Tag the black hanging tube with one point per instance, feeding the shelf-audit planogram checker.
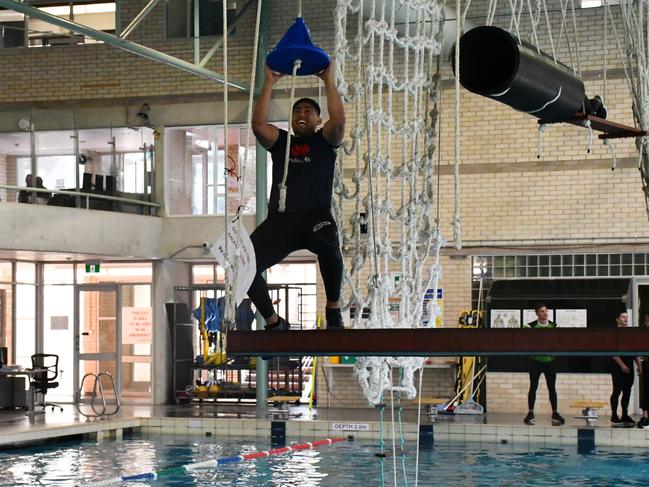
(495, 64)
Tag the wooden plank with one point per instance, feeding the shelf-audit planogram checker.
(283, 398)
(612, 130)
(585, 403)
(442, 342)
(433, 401)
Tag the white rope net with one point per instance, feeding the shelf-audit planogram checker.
(388, 73)
(635, 15)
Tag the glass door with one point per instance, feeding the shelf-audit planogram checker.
(97, 338)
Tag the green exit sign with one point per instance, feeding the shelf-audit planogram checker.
(92, 268)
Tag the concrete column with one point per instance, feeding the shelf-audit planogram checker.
(166, 275)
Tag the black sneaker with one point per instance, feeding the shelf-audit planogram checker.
(615, 421)
(280, 325)
(642, 423)
(557, 419)
(645, 424)
(334, 319)
(529, 419)
(628, 421)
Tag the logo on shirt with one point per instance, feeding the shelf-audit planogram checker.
(318, 226)
(300, 152)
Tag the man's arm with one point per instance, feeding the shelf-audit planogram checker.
(622, 365)
(334, 130)
(265, 132)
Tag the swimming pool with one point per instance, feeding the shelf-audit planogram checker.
(344, 464)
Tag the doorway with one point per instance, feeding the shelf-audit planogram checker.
(97, 336)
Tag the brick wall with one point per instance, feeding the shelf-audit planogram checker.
(338, 386)
(507, 392)
(510, 199)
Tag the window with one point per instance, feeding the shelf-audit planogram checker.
(125, 169)
(57, 171)
(597, 3)
(98, 15)
(193, 154)
(180, 17)
(489, 268)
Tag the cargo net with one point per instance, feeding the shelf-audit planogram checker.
(385, 185)
(634, 54)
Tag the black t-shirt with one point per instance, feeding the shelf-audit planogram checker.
(310, 172)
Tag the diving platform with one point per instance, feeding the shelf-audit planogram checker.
(441, 342)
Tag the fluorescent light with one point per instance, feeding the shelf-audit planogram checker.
(598, 3)
(93, 8)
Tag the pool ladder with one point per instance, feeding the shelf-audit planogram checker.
(97, 393)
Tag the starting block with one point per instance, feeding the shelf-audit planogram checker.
(431, 404)
(282, 405)
(588, 410)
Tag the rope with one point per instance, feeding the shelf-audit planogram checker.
(394, 443)
(402, 439)
(539, 131)
(491, 11)
(382, 446)
(181, 469)
(421, 380)
(251, 95)
(611, 150)
(457, 223)
(231, 270)
(282, 186)
(547, 22)
(535, 38)
(605, 51)
(576, 37)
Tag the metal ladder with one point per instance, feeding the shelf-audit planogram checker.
(102, 413)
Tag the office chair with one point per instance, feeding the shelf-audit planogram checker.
(86, 184)
(47, 379)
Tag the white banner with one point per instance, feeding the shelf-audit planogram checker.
(241, 252)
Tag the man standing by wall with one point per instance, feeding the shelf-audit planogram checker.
(542, 365)
(622, 376)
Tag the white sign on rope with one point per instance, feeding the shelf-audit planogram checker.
(241, 256)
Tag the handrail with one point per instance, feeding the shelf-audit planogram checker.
(79, 193)
(97, 385)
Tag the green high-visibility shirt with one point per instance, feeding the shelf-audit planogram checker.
(535, 324)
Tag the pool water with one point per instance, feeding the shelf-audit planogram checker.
(343, 464)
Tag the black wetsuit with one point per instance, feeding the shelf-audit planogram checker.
(622, 383)
(307, 222)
